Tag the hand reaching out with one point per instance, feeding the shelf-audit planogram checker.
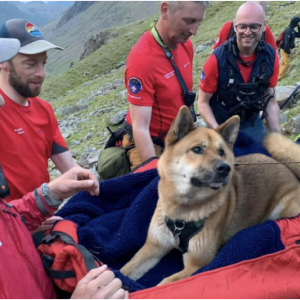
(100, 283)
(75, 180)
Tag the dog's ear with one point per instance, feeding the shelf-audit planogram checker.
(229, 130)
(181, 126)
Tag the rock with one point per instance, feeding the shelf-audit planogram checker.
(118, 118)
(66, 135)
(200, 48)
(71, 109)
(200, 123)
(89, 136)
(74, 143)
(289, 128)
(283, 92)
(208, 43)
(121, 64)
(297, 125)
(123, 94)
(282, 117)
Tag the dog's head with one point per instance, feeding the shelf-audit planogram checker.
(198, 159)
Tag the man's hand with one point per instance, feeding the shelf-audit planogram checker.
(75, 180)
(99, 283)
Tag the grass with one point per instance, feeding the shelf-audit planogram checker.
(105, 60)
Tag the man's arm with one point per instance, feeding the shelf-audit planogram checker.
(205, 109)
(273, 120)
(141, 117)
(37, 207)
(64, 161)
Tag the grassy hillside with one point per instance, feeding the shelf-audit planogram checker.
(68, 87)
(101, 15)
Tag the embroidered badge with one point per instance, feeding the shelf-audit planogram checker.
(202, 77)
(135, 85)
(33, 30)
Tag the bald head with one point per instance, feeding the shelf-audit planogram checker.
(249, 9)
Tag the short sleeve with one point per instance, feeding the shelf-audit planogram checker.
(209, 76)
(139, 80)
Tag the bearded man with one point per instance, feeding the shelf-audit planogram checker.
(29, 129)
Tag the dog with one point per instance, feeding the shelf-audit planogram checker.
(206, 195)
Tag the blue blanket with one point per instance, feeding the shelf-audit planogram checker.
(114, 225)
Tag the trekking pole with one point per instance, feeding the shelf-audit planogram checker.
(290, 97)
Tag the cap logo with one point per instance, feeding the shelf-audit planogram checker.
(33, 30)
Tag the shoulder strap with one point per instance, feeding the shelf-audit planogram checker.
(188, 101)
(231, 32)
(170, 57)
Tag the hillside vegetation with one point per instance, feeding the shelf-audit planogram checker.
(83, 20)
(100, 69)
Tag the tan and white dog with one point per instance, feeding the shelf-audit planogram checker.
(205, 198)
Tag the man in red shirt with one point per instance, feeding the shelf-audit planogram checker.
(23, 275)
(153, 90)
(227, 31)
(29, 129)
(240, 77)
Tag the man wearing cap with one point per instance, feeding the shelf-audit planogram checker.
(29, 129)
(25, 277)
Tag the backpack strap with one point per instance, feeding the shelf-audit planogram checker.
(54, 235)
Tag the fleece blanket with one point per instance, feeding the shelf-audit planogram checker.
(114, 225)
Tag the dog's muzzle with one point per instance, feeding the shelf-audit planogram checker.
(216, 180)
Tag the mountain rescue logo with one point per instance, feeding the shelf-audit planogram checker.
(33, 30)
(135, 85)
(202, 77)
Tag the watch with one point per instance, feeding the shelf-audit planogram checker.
(46, 194)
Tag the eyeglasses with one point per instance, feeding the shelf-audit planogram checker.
(241, 28)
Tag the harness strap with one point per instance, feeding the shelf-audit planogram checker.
(184, 231)
(177, 72)
(88, 257)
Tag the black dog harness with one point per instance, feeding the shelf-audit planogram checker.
(183, 231)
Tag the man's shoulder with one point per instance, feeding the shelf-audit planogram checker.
(144, 45)
(36, 101)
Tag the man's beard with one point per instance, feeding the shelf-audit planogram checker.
(21, 88)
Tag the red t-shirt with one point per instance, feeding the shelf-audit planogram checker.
(209, 82)
(151, 80)
(29, 135)
(225, 30)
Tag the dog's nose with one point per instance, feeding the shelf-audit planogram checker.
(222, 168)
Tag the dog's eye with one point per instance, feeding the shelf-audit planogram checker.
(197, 150)
(221, 153)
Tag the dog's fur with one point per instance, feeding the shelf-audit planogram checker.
(199, 181)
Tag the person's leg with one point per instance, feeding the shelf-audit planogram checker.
(257, 131)
(285, 64)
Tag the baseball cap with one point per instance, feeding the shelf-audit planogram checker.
(8, 49)
(31, 38)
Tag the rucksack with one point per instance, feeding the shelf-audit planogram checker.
(279, 40)
(113, 160)
(64, 259)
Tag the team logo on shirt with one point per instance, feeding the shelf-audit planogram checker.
(217, 40)
(135, 85)
(202, 77)
(33, 30)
